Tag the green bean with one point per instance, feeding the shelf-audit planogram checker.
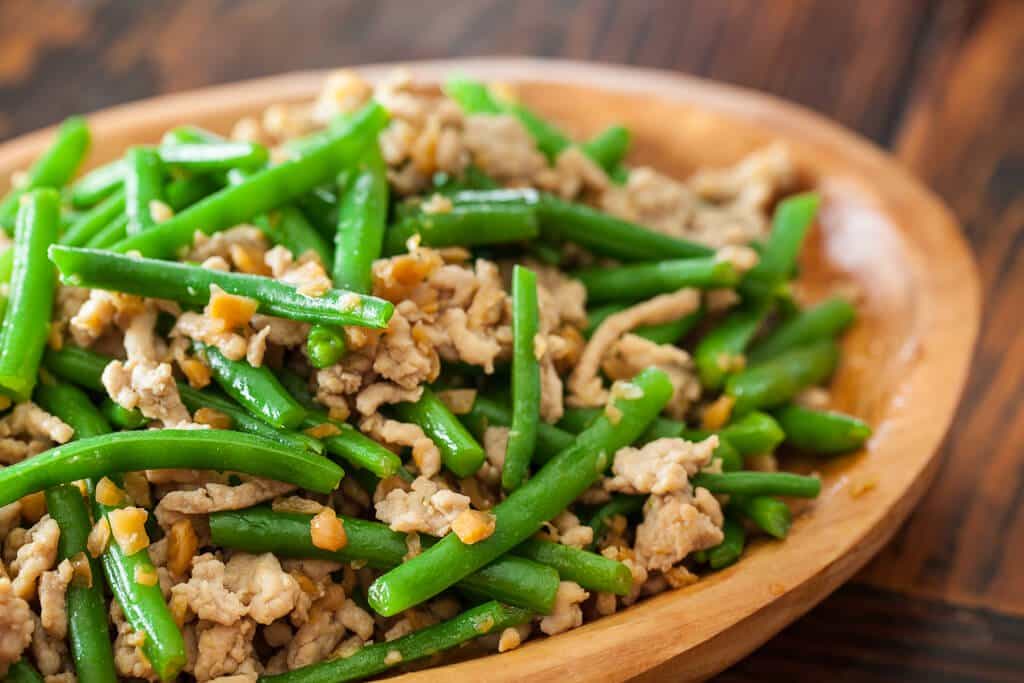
(190, 285)
(575, 420)
(321, 207)
(770, 515)
(211, 449)
(489, 412)
(664, 333)
(776, 381)
(73, 406)
(473, 96)
(182, 193)
(620, 504)
(262, 191)
(604, 234)
(325, 346)
(460, 452)
(759, 484)
(524, 197)
(22, 671)
(97, 185)
(190, 135)
(142, 603)
(790, 224)
(77, 365)
(256, 389)
(465, 225)
(490, 617)
(111, 234)
(92, 222)
(522, 437)
(55, 167)
(362, 217)
(726, 451)
(121, 417)
(472, 178)
(592, 571)
(143, 183)
(751, 434)
(26, 324)
(824, 321)
(822, 432)
(731, 547)
(642, 281)
(720, 352)
(259, 529)
(608, 147)
(521, 514)
(204, 157)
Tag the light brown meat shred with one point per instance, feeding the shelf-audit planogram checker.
(213, 497)
(252, 586)
(225, 244)
(50, 653)
(630, 354)
(659, 467)
(503, 148)
(29, 420)
(317, 638)
(129, 661)
(37, 555)
(394, 433)
(53, 586)
(675, 525)
(427, 508)
(566, 613)
(148, 386)
(16, 625)
(224, 650)
(585, 384)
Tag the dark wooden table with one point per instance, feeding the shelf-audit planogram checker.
(940, 83)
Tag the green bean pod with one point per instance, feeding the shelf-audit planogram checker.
(460, 452)
(751, 434)
(770, 515)
(731, 547)
(608, 147)
(122, 417)
(22, 671)
(790, 225)
(522, 437)
(642, 281)
(490, 617)
(168, 449)
(521, 514)
(721, 351)
(590, 570)
(190, 285)
(112, 233)
(362, 217)
(824, 321)
(465, 225)
(487, 412)
(759, 484)
(143, 183)
(204, 157)
(55, 167)
(325, 346)
(778, 380)
(353, 447)
(97, 185)
(256, 389)
(473, 96)
(91, 223)
(257, 530)
(182, 193)
(822, 432)
(263, 191)
(26, 324)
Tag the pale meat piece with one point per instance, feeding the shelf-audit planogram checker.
(403, 360)
(317, 638)
(53, 586)
(225, 650)
(227, 244)
(394, 433)
(29, 420)
(37, 555)
(567, 529)
(659, 467)
(128, 658)
(50, 654)
(631, 354)
(202, 328)
(148, 386)
(281, 331)
(503, 148)
(377, 394)
(213, 497)
(252, 586)
(566, 613)
(675, 525)
(427, 508)
(16, 625)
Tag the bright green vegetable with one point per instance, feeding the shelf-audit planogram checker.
(593, 572)
(776, 381)
(731, 547)
(790, 225)
(26, 323)
(488, 411)
(770, 515)
(122, 417)
(490, 617)
(112, 233)
(143, 183)
(759, 484)
(91, 223)
(547, 493)
(204, 157)
(55, 167)
(190, 285)
(642, 281)
(522, 437)
(167, 449)
(182, 193)
(362, 217)
(325, 346)
(465, 225)
(460, 452)
(263, 191)
(750, 434)
(720, 352)
(472, 95)
(822, 432)
(22, 671)
(97, 184)
(608, 147)
(256, 389)
(257, 530)
(824, 321)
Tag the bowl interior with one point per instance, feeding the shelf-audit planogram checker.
(903, 366)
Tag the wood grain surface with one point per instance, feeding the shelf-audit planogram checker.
(939, 82)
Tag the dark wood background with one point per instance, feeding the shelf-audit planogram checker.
(940, 83)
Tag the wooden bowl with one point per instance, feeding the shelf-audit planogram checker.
(903, 369)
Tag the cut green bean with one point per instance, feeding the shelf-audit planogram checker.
(258, 530)
(460, 452)
(325, 346)
(790, 225)
(204, 157)
(522, 437)
(73, 406)
(256, 389)
(642, 281)
(122, 417)
(190, 135)
(620, 504)
(759, 484)
(263, 191)
(822, 432)
(541, 498)
(190, 285)
(731, 547)
(590, 570)
(362, 217)
(53, 169)
(465, 225)
(22, 671)
(211, 449)
(488, 411)
(751, 434)
(473, 96)
(490, 617)
(89, 225)
(97, 185)
(770, 515)
(143, 184)
(778, 380)
(824, 321)
(26, 323)
(721, 351)
(143, 603)
(111, 234)
(182, 193)
(608, 147)
(353, 447)
(604, 234)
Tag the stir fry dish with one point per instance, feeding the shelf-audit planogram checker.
(390, 377)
